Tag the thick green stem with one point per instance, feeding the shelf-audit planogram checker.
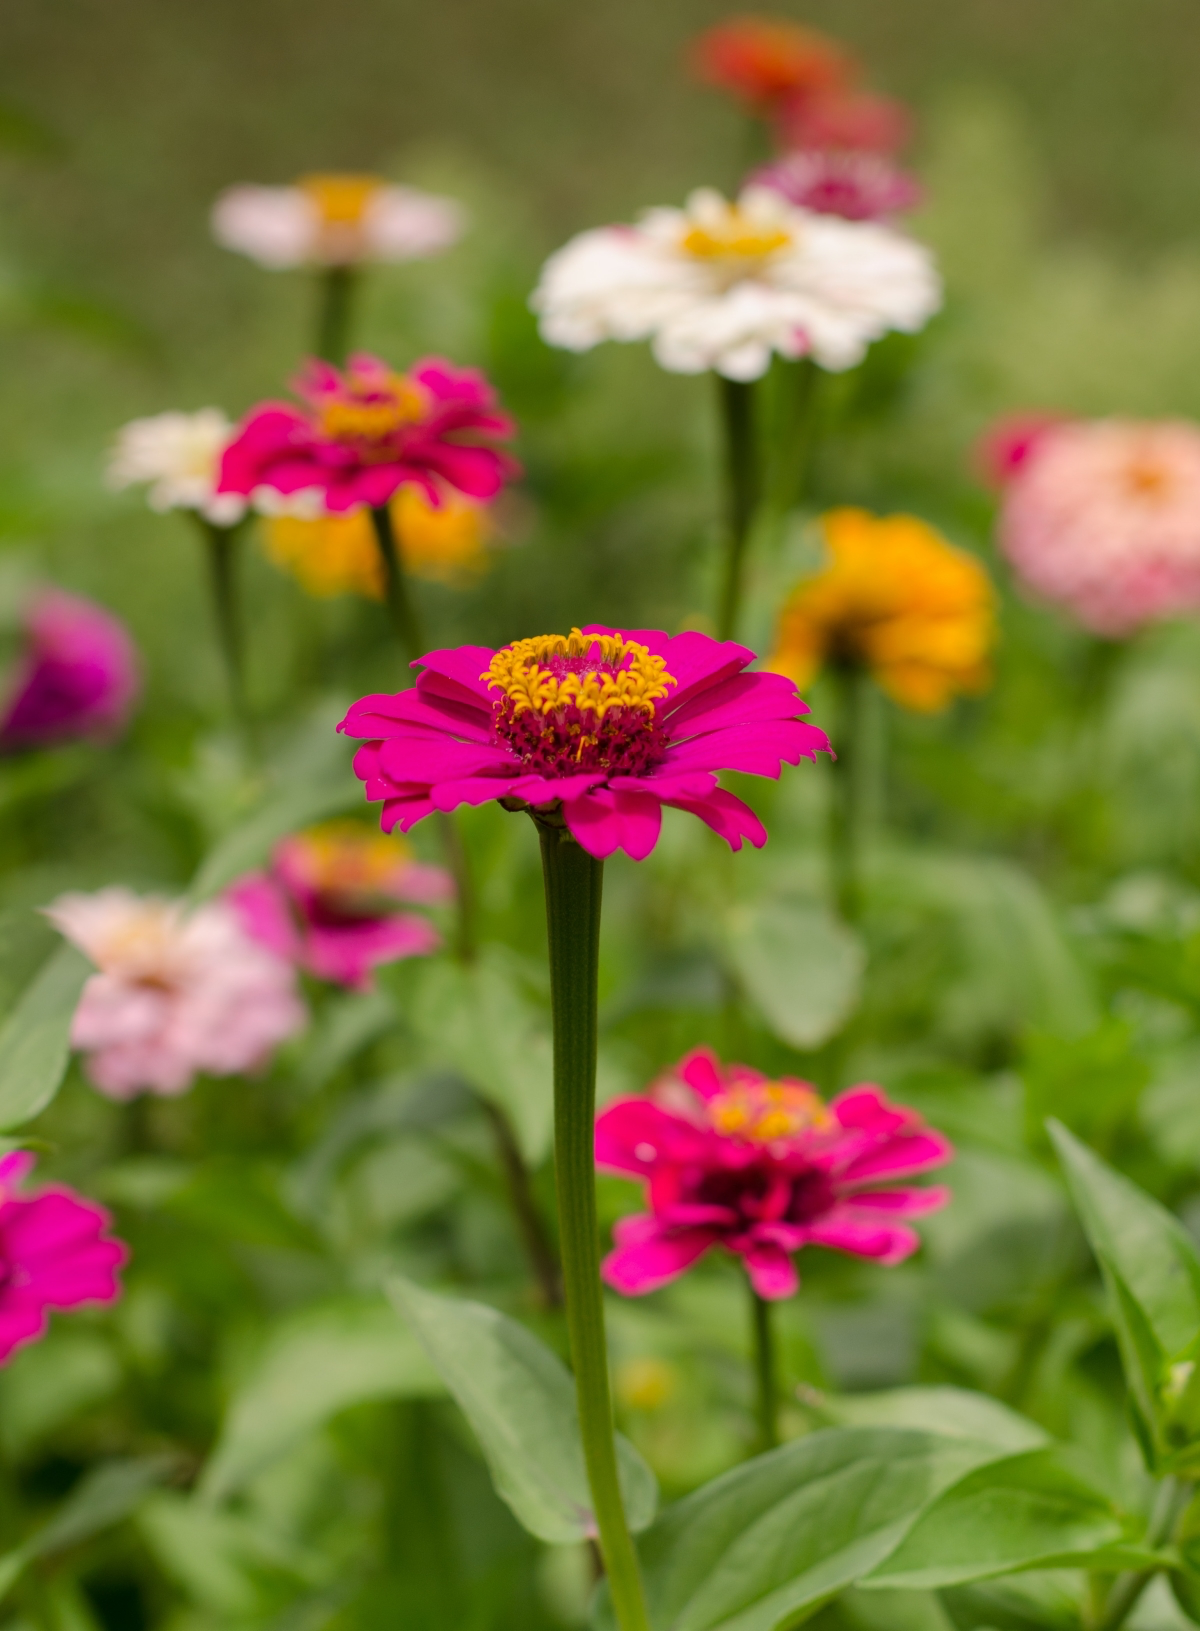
(538, 1247)
(1173, 1495)
(221, 544)
(742, 482)
(406, 621)
(849, 791)
(764, 1370)
(796, 393)
(574, 883)
(338, 286)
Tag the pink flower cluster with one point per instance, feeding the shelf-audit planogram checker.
(55, 1252)
(1102, 517)
(366, 431)
(76, 678)
(730, 1158)
(328, 902)
(177, 993)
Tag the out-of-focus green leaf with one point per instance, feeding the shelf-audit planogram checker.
(798, 966)
(48, 1384)
(241, 1200)
(520, 1400)
(756, 1549)
(1091, 1083)
(478, 1022)
(249, 845)
(315, 1364)
(348, 1024)
(234, 1567)
(1028, 1512)
(35, 1043)
(953, 1411)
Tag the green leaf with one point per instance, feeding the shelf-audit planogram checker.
(35, 1041)
(248, 847)
(763, 1545)
(316, 1364)
(952, 1411)
(798, 966)
(520, 1400)
(478, 1022)
(238, 1568)
(1027, 1512)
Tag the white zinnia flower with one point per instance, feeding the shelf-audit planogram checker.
(722, 286)
(334, 220)
(178, 456)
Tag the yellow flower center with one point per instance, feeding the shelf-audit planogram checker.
(341, 200)
(373, 413)
(765, 1112)
(735, 236)
(595, 672)
(343, 858)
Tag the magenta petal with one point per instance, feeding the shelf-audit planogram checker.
(729, 817)
(448, 795)
(772, 1272)
(738, 700)
(701, 1070)
(22, 1321)
(903, 1203)
(460, 668)
(760, 749)
(886, 1242)
(657, 1258)
(346, 954)
(263, 910)
(902, 1157)
(405, 812)
(633, 1135)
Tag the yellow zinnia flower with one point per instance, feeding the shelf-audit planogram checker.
(896, 598)
(338, 555)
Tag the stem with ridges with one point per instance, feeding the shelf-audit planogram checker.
(764, 1371)
(574, 883)
(848, 791)
(338, 285)
(221, 545)
(797, 386)
(741, 477)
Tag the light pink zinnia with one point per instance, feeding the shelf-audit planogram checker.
(857, 186)
(609, 724)
(177, 993)
(328, 903)
(761, 1167)
(1103, 518)
(366, 431)
(77, 677)
(55, 1253)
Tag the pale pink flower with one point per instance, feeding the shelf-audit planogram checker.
(55, 1252)
(1102, 518)
(177, 993)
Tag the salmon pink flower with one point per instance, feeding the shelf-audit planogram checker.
(765, 60)
(1103, 519)
(606, 724)
(334, 220)
(328, 902)
(177, 993)
(365, 432)
(77, 677)
(55, 1252)
(837, 181)
(730, 1158)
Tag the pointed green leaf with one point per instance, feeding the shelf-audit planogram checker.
(952, 1411)
(798, 965)
(35, 1041)
(520, 1400)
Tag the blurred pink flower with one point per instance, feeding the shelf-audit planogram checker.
(366, 431)
(55, 1251)
(607, 725)
(1008, 442)
(328, 902)
(1103, 518)
(843, 118)
(77, 677)
(731, 1158)
(177, 992)
(838, 181)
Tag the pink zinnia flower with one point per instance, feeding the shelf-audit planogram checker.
(731, 1158)
(177, 992)
(1103, 518)
(366, 431)
(77, 678)
(328, 902)
(54, 1253)
(611, 725)
(837, 181)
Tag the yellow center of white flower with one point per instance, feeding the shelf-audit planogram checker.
(341, 200)
(734, 236)
(764, 1112)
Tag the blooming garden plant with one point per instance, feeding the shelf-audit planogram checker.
(684, 1122)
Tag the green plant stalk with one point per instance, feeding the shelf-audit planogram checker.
(537, 1243)
(1172, 1496)
(741, 494)
(764, 1371)
(848, 790)
(794, 426)
(221, 546)
(574, 883)
(339, 284)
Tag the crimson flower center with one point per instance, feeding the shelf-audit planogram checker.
(571, 704)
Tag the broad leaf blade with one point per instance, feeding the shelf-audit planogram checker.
(951, 1411)
(798, 965)
(1027, 1512)
(315, 1365)
(35, 1041)
(520, 1400)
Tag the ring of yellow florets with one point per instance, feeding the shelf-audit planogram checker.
(368, 416)
(768, 1112)
(580, 702)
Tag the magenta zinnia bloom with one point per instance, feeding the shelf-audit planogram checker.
(857, 186)
(609, 724)
(55, 1252)
(328, 903)
(77, 678)
(731, 1158)
(366, 431)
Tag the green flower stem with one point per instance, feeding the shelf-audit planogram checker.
(742, 485)
(574, 883)
(764, 1369)
(339, 285)
(849, 790)
(406, 620)
(795, 413)
(1172, 1496)
(538, 1246)
(221, 544)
